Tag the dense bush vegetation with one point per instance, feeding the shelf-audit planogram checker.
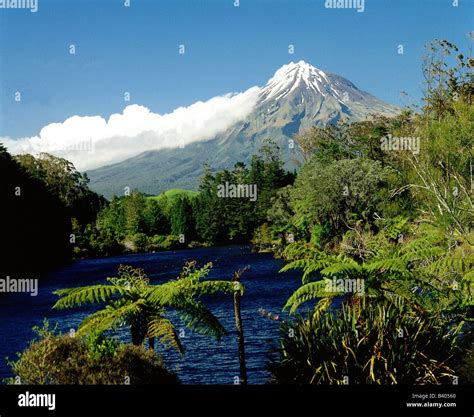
(77, 222)
(61, 359)
(396, 224)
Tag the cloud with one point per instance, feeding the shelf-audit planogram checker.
(91, 141)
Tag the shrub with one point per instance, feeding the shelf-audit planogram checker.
(340, 194)
(93, 241)
(170, 242)
(195, 244)
(263, 240)
(68, 360)
(158, 239)
(319, 233)
(137, 242)
(370, 343)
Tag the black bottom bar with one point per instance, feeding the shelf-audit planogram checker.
(209, 401)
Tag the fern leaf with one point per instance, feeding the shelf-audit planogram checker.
(200, 319)
(308, 292)
(164, 330)
(212, 287)
(109, 317)
(74, 297)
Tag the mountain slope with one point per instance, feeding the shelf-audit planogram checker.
(297, 97)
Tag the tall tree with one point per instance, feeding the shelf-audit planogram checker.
(182, 218)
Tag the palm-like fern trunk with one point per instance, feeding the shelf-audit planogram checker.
(151, 343)
(240, 331)
(136, 337)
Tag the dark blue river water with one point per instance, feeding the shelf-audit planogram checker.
(205, 361)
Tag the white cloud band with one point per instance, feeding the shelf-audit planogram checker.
(91, 141)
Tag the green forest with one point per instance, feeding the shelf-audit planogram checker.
(397, 221)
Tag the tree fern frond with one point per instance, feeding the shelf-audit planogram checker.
(395, 227)
(212, 287)
(109, 317)
(469, 277)
(419, 244)
(308, 292)
(166, 294)
(459, 264)
(191, 273)
(74, 297)
(164, 330)
(393, 265)
(297, 264)
(309, 266)
(346, 266)
(424, 253)
(200, 319)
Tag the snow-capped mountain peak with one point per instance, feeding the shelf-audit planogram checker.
(297, 97)
(293, 76)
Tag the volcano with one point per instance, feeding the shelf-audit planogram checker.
(297, 97)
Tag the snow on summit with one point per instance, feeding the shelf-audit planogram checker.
(293, 76)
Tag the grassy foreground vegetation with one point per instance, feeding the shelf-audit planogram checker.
(366, 343)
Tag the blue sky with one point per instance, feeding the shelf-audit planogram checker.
(228, 49)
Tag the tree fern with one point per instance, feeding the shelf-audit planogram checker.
(420, 271)
(132, 301)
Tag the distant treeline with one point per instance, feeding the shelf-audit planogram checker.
(181, 218)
